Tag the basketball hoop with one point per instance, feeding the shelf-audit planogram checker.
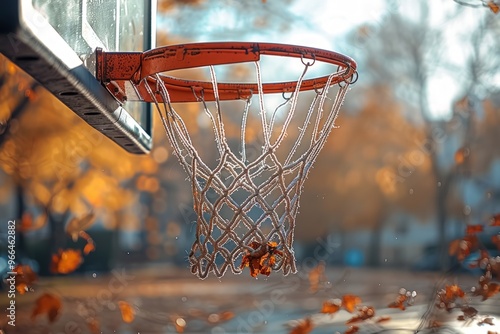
(246, 204)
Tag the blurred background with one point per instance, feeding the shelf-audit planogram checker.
(414, 161)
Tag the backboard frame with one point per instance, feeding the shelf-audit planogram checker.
(28, 40)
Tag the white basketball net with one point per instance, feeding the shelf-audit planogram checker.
(244, 200)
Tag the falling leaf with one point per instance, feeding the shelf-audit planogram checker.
(496, 240)
(331, 306)
(127, 311)
(66, 261)
(495, 220)
(461, 248)
(461, 155)
(89, 247)
(494, 7)
(473, 229)
(30, 224)
(262, 259)
(94, 326)
(316, 276)
(303, 327)
(25, 277)
(49, 304)
(349, 302)
(79, 224)
(486, 321)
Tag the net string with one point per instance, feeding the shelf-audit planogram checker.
(243, 175)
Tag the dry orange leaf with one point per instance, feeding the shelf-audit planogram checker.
(49, 304)
(316, 276)
(94, 326)
(473, 229)
(217, 318)
(495, 220)
(79, 224)
(128, 313)
(461, 155)
(349, 302)
(89, 247)
(461, 248)
(494, 7)
(303, 327)
(487, 290)
(66, 261)
(496, 240)
(364, 313)
(331, 306)
(262, 259)
(25, 276)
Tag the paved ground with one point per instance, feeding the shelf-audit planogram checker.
(168, 300)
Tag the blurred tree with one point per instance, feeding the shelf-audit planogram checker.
(60, 166)
(410, 51)
(357, 174)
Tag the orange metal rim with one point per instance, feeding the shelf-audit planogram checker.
(119, 70)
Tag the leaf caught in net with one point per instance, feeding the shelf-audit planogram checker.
(49, 304)
(262, 259)
(364, 313)
(66, 261)
(127, 311)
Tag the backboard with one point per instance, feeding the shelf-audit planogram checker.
(55, 41)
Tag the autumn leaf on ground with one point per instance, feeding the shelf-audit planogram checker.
(262, 259)
(494, 7)
(404, 298)
(364, 313)
(49, 304)
(25, 277)
(331, 306)
(303, 327)
(495, 220)
(128, 313)
(79, 224)
(468, 313)
(473, 229)
(486, 321)
(446, 297)
(381, 319)
(317, 276)
(349, 302)
(66, 261)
